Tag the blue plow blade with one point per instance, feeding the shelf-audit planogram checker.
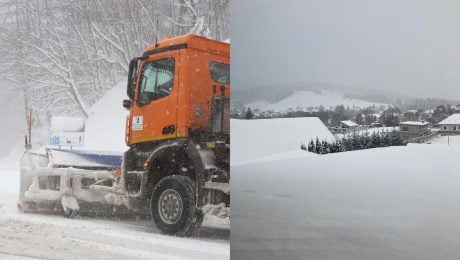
(86, 159)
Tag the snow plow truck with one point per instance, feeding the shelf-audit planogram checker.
(177, 167)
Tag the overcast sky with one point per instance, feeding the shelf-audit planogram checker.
(412, 47)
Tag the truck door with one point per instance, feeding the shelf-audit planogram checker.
(154, 112)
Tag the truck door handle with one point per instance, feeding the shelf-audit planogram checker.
(168, 129)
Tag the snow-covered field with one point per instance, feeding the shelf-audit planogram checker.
(446, 140)
(37, 236)
(383, 203)
(303, 100)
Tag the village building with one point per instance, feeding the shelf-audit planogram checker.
(450, 124)
(414, 129)
(345, 126)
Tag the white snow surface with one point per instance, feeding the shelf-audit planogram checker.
(383, 203)
(446, 140)
(105, 127)
(67, 124)
(451, 120)
(303, 100)
(267, 137)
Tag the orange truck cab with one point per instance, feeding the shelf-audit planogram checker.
(178, 132)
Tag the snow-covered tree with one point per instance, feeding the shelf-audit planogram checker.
(62, 56)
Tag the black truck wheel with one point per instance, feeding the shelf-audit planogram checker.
(173, 206)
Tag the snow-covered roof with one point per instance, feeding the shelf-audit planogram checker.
(258, 138)
(349, 123)
(414, 123)
(451, 120)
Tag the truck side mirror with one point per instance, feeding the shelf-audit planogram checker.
(132, 76)
(127, 103)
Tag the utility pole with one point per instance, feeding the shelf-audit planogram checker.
(27, 137)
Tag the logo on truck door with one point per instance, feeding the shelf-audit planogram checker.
(137, 122)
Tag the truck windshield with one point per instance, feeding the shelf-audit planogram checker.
(220, 72)
(156, 80)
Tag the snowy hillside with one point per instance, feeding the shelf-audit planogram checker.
(383, 203)
(255, 139)
(306, 100)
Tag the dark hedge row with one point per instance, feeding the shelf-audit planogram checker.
(356, 141)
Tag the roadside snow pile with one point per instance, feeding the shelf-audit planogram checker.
(105, 127)
(384, 203)
(265, 139)
(9, 168)
(67, 124)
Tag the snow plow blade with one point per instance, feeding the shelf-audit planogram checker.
(69, 182)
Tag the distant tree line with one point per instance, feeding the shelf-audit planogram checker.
(356, 141)
(391, 116)
(329, 117)
(425, 103)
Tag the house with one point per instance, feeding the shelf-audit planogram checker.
(450, 124)
(414, 129)
(344, 127)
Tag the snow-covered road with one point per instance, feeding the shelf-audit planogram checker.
(36, 236)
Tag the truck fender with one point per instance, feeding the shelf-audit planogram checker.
(198, 157)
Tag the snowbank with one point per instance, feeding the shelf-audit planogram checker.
(255, 139)
(105, 127)
(67, 124)
(9, 170)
